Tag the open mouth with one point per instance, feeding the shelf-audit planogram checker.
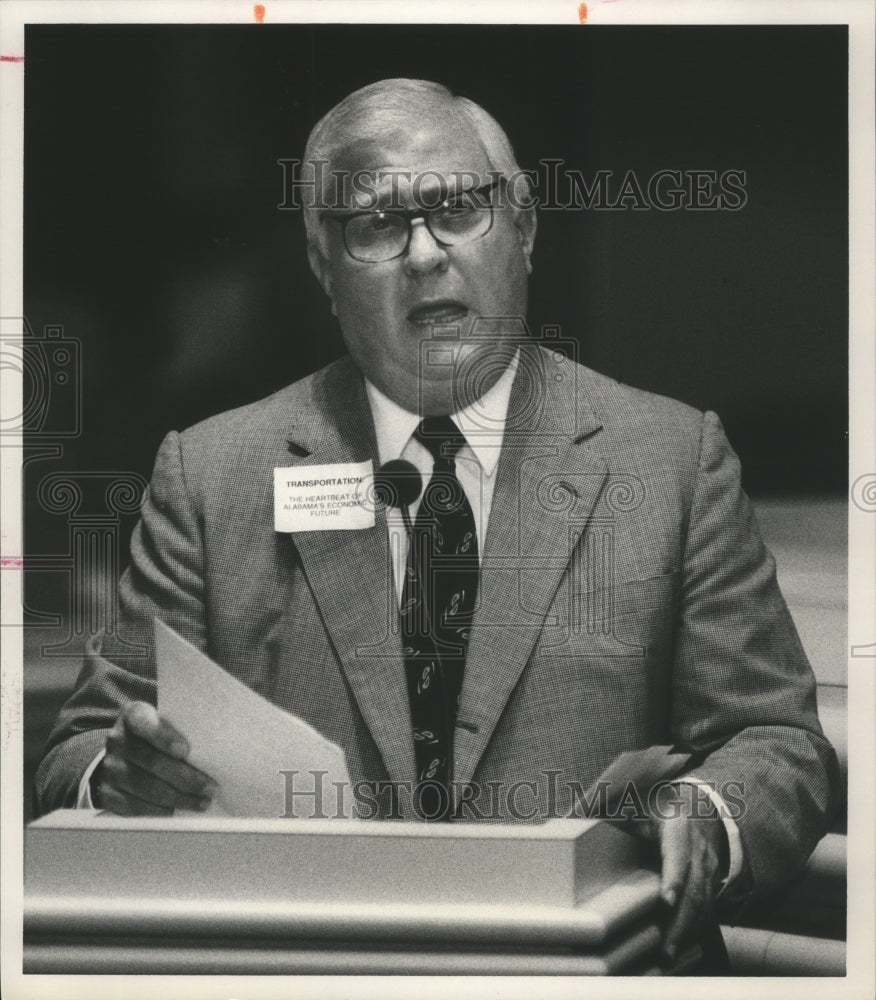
(438, 313)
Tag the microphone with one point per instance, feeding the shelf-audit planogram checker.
(398, 483)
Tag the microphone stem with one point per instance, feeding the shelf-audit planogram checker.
(406, 518)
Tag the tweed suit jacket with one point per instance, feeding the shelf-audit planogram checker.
(626, 601)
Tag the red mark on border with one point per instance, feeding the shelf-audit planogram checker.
(11, 58)
(582, 13)
(11, 562)
(258, 12)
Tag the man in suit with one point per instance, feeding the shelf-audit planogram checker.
(622, 615)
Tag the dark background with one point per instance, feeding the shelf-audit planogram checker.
(152, 232)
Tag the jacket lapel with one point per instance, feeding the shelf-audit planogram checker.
(548, 481)
(349, 571)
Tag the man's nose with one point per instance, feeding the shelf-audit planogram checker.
(424, 253)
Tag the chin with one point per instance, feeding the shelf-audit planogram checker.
(437, 403)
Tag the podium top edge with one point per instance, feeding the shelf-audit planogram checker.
(88, 819)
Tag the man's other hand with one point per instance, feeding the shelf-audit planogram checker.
(144, 772)
(694, 856)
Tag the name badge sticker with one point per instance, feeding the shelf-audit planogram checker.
(323, 497)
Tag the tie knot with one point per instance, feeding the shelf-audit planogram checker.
(441, 437)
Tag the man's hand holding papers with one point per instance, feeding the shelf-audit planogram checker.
(144, 771)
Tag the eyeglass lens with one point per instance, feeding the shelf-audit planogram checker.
(378, 236)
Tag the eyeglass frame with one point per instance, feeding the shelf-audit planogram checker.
(410, 215)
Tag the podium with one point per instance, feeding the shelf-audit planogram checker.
(204, 895)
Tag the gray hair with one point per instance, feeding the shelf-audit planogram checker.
(380, 108)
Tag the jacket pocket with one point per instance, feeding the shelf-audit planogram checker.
(629, 619)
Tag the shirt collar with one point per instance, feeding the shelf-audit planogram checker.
(483, 422)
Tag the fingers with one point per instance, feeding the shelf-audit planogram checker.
(145, 772)
(123, 804)
(689, 851)
(675, 857)
(132, 781)
(177, 773)
(142, 720)
(690, 841)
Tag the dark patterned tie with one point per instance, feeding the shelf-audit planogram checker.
(438, 601)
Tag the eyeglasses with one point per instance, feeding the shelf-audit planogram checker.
(376, 236)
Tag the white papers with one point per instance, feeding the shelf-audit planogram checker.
(243, 741)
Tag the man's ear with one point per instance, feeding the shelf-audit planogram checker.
(526, 224)
(320, 266)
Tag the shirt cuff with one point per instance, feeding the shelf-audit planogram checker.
(83, 800)
(734, 840)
